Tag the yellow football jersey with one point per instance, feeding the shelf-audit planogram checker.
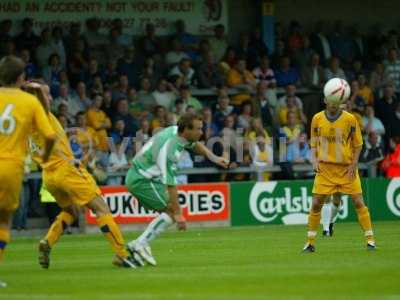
(335, 140)
(20, 114)
(62, 150)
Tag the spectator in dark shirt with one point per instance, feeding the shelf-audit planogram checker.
(372, 150)
(286, 75)
(122, 113)
(121, 90)
(384, 109)
(27, 39)
(31, 70)
(129, 67)
(208, 73)
(223, 110)
(150, 45)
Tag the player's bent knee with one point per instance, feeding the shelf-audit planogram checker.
(99, 206)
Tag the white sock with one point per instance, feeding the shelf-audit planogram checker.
(334, 213)
(326, 216)
(155, 228)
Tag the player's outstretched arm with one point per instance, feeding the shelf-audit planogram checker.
(203, 150)
(174, 209)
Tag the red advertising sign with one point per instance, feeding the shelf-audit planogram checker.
(199, 202)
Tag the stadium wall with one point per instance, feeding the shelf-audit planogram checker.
(250, 203)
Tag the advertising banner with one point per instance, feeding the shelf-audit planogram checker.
(200, 16)
(199, 202)
(288, 202)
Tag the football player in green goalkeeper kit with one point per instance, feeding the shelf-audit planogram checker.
(152, 179)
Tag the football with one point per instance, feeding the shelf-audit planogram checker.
(336, 91)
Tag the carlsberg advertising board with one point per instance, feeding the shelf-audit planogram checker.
(288, 202)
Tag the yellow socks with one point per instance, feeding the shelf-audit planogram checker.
(4, 240)
(63, 220)
(113, 234)
(314, 219)
(365, 221)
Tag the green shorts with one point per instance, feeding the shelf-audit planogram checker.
(151, 194)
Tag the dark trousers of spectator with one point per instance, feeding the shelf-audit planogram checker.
(21, 214)
(35, 207)
(52, 210)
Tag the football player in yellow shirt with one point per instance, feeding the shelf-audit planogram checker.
(19, 113)
(336, 143)
(71, 185)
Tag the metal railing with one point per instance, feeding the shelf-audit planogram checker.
(371, 169)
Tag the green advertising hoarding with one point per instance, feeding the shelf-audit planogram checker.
(288, 202)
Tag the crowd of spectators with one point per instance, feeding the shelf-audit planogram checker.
(122, 86)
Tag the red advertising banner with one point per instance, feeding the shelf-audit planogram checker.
(199, 202)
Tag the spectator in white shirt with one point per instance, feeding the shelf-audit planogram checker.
(265, 73)
(184, 69)
(185, 162)
(165, 94)
(392, 65)
(117, 162)
(372, 124)
(176, 54)
(290, 91)
(334, 70)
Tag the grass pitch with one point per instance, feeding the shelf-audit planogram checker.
(225, 263)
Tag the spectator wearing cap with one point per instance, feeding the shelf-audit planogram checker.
(184, 70)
